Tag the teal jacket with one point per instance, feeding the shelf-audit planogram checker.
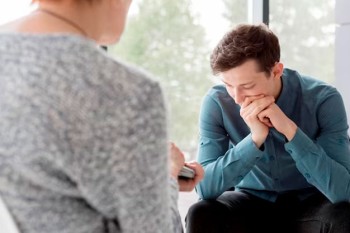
(317, 158)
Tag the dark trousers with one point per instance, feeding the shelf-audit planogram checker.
(240, 212)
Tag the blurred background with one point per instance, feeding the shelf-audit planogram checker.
(174, 39)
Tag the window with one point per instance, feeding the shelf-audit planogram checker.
(173, 41)
(306, 30)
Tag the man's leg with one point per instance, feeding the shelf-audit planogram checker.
(321, 216)
(207, 216)
(232, 212)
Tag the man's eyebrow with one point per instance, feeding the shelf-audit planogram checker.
(249, 83)
(243, 84)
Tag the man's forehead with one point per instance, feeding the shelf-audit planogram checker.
(239, 77)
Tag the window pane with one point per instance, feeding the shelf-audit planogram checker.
(306, 30)
(173, 41)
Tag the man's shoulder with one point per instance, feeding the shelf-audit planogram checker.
(218, 91)
(309, 85)
(219, 96)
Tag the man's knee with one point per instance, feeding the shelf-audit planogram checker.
(207, 216)
(337, 215)
(204, 210)
(331, 218)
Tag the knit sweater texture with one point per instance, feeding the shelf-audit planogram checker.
(83, 140)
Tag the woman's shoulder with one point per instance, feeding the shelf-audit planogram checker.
(74, 68)
(70, 55)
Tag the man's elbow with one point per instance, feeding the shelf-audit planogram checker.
(205, 194)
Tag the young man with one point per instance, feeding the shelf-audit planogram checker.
(274, 136)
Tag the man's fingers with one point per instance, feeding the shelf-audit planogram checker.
(248, 100)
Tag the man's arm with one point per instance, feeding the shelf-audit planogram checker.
(325, 161)
(224, 167)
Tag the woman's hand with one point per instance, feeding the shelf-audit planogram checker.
(187, 185)
(177, 161)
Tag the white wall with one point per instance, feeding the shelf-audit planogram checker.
(342, 51)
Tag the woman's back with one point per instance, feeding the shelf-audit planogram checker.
(82, 149)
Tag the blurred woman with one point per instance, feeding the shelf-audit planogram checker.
(83, 138)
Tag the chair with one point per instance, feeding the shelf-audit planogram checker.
(7, 223)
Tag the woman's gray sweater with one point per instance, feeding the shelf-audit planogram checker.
(83, 142)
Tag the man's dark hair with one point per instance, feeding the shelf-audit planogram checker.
(243, 43)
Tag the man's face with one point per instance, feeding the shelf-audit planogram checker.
(247, 80)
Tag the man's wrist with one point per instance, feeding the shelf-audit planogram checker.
(258, 140)
(291, 130)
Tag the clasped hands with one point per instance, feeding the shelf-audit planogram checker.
(260, 113)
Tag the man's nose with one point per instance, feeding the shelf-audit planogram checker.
(238, 96)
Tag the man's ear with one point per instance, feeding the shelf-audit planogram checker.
(277, 70)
